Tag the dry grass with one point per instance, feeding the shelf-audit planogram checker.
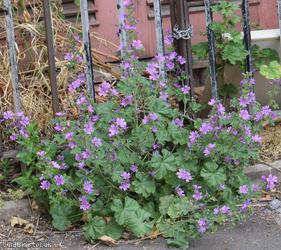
(33, 64)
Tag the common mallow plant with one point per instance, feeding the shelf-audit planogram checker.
(141, 163)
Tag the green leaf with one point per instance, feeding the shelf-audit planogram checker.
(178, 134)
(271, 71)
(234, 53)
(94, 229)
(132, 216)
(113, 230)
(180, 241)
(64, 215)
(143, 184)
(212, 174)
(175, 232)
(174, 207)
(163, 164)
(200, 50)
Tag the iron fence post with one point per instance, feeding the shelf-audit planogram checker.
(160, 38)
(87, 47)
(12, 54)
(122, 31)
(180, 19)
(247, 36)
(51, 55)
(212, 50)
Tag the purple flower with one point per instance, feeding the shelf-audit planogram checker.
(41, 153)
(185, 89)
(180, 192)
(243, 102)
(113, 130)
(210, 147)
(184, 175)
(121, 123)
(58, 127)
(221, 109)
(181, 60)
(206, 128)
(127, 3)
(145, 119)
(55, 165)
(125, 185)
(68, 57)
(134, 168)
(170, 65)
(60, 114)
(127, 100)
(154, 129)
(178, 122)
(160, 58)
(86, 154)
(225, 210)
(243, 189)
(13, 137)
(257, 138)
(45, 185)
(59, 180)
(125, 175)
(88, 187)
(164, 96)
(153, 116)
(252, 81)
(172, 55)
(68, 136)
(114, 92)
(89, 128)
(266, 110)
(197, 194)
(104, 89)
(90, 108)
(202, 225)
(8, 115)
(244, 114)
(79, 59)
(24, 121)
(81, 100)
(168, 40)
(137, 44)
(96, 141)
(271, 182)
(212, 102)
(81, 165)
(245, 205)
(72, 145)
(255, 188)
(193, 137)
(84, 204)
(216, 211)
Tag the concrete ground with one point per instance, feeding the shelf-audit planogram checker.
(255, 234)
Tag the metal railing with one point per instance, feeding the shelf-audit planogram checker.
(179, 10)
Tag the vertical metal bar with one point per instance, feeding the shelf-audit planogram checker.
(51, 55)
(122, 30)
(12, 54)
(160, 37)
(279, 14)
(1, 144)
(247, 36)
(180, 17)
(87, 47)
(212, 52)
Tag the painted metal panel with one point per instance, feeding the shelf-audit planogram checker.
(264, 15)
